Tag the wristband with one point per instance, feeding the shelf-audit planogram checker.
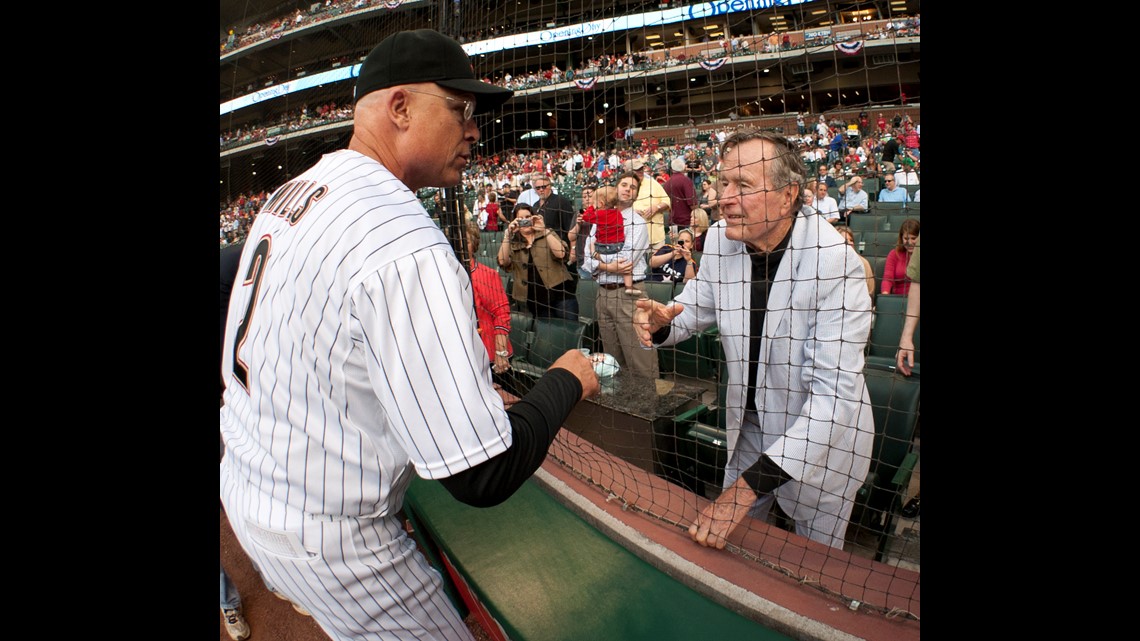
(503, 353)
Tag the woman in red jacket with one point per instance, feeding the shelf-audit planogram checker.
(894, 275)
(492, 308)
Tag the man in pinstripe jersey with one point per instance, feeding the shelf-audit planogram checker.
(353, 361)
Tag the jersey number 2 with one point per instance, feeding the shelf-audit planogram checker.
(252, 277)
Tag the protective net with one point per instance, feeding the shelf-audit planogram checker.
(818, 102)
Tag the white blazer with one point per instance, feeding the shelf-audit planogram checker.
(810, 392)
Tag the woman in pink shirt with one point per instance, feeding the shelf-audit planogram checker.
(894, 275)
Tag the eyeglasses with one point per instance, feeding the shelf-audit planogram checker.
(541, 186)
(888, 180)
(468, 105)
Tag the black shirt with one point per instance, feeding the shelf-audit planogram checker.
(764, 266)
(890, 149)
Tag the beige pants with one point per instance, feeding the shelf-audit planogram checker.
(615, 328)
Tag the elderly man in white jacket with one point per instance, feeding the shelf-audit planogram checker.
(789, 297)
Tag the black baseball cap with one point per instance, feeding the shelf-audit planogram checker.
(425, 55)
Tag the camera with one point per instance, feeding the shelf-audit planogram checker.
(525, 222)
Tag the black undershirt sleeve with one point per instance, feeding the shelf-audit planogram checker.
(765, 476)
(660, 335)
(535, 421)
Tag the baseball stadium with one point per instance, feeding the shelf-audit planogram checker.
(598, 543)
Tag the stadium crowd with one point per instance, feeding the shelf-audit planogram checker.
(833, 147)
(596, 66)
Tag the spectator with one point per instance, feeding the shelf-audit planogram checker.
(852, 198)
(583, 230)
(492, 309)
(849, 236)
(530, 195)
(807, 196)
(836, 148)
(535, 256)
(481, 207)
(821, 129)
(509, 197)
(904, 359)
(699, 227)
(906, 174)
(825, 205)
(674, 263)
(838, 173)
(693, 167)
(558, 213)
(895, 280)
(824, 176)
(890, 151)
(708, 200)
(682, 194)
(911, 138)
(609, 230)
(871, 168)
(494, 212)
(891, 192)
(614, 308)
(652, 202)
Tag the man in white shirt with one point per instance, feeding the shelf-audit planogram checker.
(614, 306)
(906, 175)
(825, 204)
(530, 196)
(852, 198)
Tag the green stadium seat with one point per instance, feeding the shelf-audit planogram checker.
(879, 266)
(872, 187)
(895, 220)
(877, 207)
(697, 357)
(876, 243)
(660, 291)
(551, 338)
(895, 404)
(702, 443)
(866, 222)
(587, 299)
(522, 334)
(588, 312)
(886, 330)
(489, 261)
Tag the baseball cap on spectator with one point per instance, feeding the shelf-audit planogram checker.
(678, 165)
(635, 165)
(425, 55)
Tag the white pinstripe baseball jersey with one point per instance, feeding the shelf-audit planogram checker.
(357, 353)
(352, 358)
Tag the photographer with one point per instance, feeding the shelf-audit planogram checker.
(536, 256)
